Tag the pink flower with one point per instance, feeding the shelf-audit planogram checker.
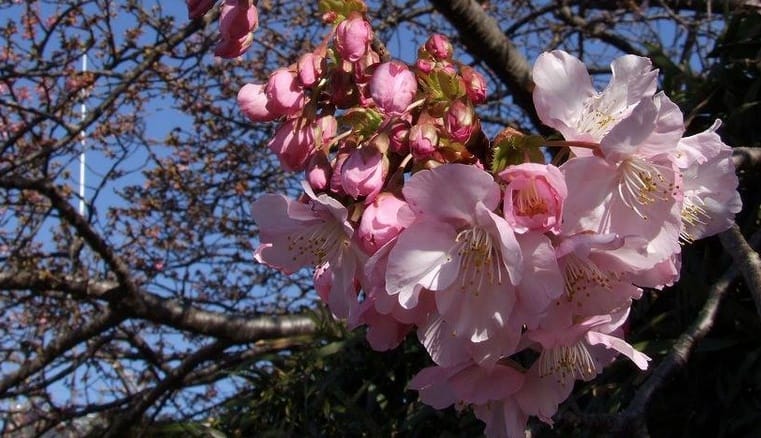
(379, 223)
(398, 136)
(460, 121)
(293, 144)
(236, 22)
(439, 47)
(285, 97)
(295, 234)
(458, 248)
(538, 396)
(567, 351)
(597, 280)
(534, 197)
(710, 183)
(253, 103)
(634, 189)
(468, 383)
(296, 140)
(353, 37)
(541, 284)
(387, 321)
(315, 233)
(425, 65)
(318, 171)
(475, 84)
(232, 48)
(393, 86)
(502, 396)
(309, 68)
(566, 100)
(423, 138)
(363, 173)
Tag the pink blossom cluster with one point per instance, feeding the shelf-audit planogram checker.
(516, 275)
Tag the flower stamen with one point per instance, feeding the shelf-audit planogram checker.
(567, 363)
(479, 259)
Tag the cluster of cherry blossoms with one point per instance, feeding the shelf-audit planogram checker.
(516, 275)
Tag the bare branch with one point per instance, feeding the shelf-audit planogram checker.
(182, 316)
(746, 157)
(63, 343)
(746, 260)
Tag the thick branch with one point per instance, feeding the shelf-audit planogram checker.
(172, 313)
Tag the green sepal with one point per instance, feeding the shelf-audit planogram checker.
(364, 122)
(513, 148)
(342, 8)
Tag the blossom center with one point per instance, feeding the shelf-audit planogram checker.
(597, 117)
(480, 260)
(529, 202)
(693, 214)
(567, 363)
(579, 274)
(319, 244)
(642, 184)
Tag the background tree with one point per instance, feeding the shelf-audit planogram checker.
(148, 313)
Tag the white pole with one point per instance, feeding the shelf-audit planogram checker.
(83, 115)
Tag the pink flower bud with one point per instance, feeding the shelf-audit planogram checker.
(460, 121)
(318, 171)
(363, 173)
(232, 48)
(475, 84)
(325, 129)
(379, 222)
(309, 67)
(236, 22)
(252, 101)
(285, 95)
(199, 8)
(425, 65)
(534, 197)
(393, 86)
(439, 47)
(423, 139)
(293, 144)
(353, 37)
(398, 135)
(237, 19)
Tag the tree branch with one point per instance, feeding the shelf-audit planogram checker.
(746, 260)
(125, 420)
(60, 345)
(746, 157)
(633, 415)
